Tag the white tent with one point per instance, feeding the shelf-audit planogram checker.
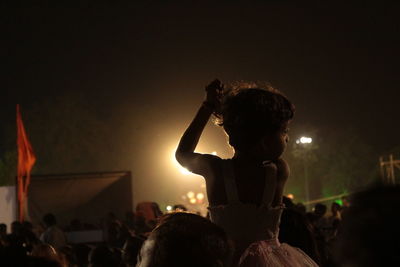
(8, 205)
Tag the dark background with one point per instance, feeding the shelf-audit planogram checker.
(112, 87)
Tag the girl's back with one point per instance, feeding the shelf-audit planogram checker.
(250, 180)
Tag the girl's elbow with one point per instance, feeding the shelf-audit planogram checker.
(180, 157)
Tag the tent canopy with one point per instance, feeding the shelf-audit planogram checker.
(84, 196)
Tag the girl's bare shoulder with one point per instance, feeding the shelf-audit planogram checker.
(282, 168)
(208, 166)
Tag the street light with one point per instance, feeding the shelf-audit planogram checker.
(304, 141)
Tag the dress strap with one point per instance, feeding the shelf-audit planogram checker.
(230, 184)
(270, 183)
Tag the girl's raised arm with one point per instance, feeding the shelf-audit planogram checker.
(185, 155)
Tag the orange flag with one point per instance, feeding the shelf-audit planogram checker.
(26, 159)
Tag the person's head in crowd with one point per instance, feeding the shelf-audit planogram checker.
(287, 202)
(335, 209)
(45, 251)
(29, 237)
(320, 210)
(131, 250)
(185, 239)
(27, 228)
(300, 207)
(3, 229)
(49, 219)
(27, 225)
(102, 256)
(369, 234)
(16, 228)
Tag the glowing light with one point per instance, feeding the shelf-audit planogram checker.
(190, 194)
(184, 171)
(200, 196)
(214, 153)
(304, 140)
(192, 200)
(169, 208)
(291, 196)
(339, 201)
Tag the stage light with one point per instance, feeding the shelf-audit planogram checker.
(200, 196)
(190, 194)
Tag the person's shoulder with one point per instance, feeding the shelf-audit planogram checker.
(281, 163)
(283, 168)
(206, 165)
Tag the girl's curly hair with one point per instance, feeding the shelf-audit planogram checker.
(249, 110)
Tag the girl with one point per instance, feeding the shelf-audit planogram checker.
(245, 192)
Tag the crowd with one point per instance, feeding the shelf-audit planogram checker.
(344, 236)
(46, 244)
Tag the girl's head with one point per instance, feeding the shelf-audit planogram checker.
(256, 120)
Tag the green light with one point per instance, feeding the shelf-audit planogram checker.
(339, 201)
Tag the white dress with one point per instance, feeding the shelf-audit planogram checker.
(254, 229)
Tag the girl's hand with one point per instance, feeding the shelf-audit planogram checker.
(214, 94)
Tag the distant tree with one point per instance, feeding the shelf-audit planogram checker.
(338, 162)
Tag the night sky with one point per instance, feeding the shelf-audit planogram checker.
(142, 69)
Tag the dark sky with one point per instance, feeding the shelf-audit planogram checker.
(148, 63)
